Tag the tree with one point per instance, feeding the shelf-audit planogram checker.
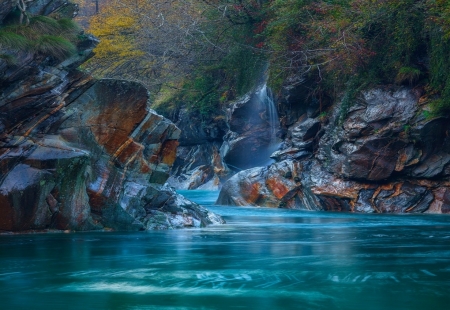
(186, 50)
(22, 6)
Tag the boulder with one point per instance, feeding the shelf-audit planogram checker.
(198, 161)
(278, 185)
(80, 154)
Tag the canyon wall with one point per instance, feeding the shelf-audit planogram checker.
(386, 155)
(78, 153)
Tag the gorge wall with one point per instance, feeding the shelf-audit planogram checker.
(78, 153)
(243, 136)
(386, 155)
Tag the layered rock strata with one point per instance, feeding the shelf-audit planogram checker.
(386, 156)
(199, 164)
(243, 136)
(80, 154)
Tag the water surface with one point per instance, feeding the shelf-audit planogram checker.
(261, 259)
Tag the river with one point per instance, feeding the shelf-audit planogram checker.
(261, 259)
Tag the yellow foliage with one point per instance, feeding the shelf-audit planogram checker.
(143, 39)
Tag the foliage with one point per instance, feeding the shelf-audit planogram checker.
(338, 42)
(40, 34)
(439, 51)
(407, 74)
(11, 40)
(196, 52)
(202, 53)
(55, 46)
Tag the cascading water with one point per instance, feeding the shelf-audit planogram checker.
(266, 97)
(254, 125)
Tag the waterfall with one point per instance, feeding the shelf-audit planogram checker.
(266, 97)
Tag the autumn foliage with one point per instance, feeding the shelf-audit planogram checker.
(202, 52)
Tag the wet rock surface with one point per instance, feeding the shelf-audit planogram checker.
(250, 138)
(199, 164)
(81, 154)
(384, 157)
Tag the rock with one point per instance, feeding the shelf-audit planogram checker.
(296, 101)
(432, 148)
(6, 6)
(81, 154)
(23, 193)
(54, 8)
(194, 131)
(198, 165)
(307, 186)
(290, 153)
(276, 186)
(198, 161)
(384, 158)
(107, 155)
(303, 131)
(250, 139)
(370, 144)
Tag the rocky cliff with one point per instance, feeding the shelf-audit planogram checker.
(241, 137)
(386, 155)
(81, 154)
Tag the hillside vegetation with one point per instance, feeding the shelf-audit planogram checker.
(200, 53)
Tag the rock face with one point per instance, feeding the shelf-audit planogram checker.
(5, 7)
(250, 138)
(199, 164)
(243, 137)
(385, 157)
(82, 154)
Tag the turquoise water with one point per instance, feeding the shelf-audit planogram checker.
(261, 259)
